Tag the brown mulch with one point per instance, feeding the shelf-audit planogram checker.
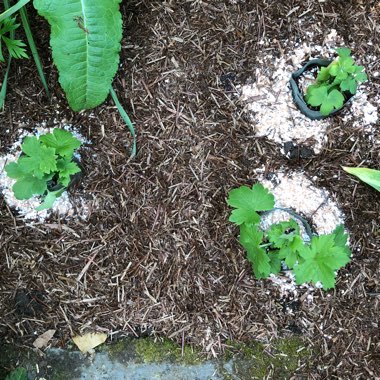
(157, 254)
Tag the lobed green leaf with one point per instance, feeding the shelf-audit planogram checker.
(62, 141)
(247, 202)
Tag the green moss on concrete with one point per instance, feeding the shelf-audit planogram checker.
(150, 351)
(278, 360)
(12, 356)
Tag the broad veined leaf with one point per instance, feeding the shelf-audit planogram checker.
(63, 141)
(320, 261)
(369, 176)
(250, 239)
(247, 202)
(85, 41)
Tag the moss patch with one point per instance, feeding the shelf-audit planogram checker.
(279, 360)
(150, 351)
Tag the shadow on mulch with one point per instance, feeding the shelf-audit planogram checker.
(165, 260)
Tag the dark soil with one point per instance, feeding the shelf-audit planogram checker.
(165, 260)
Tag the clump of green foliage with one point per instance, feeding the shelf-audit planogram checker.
(16, 48)
(341, 77)
(45, 161)
(314, 261)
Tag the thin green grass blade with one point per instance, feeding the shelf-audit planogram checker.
(3, 91)
(33, 48)
(9, 12)
(127, 120)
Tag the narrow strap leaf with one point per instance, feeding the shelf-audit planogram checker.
(3, 91)
(9, 12)
(126, 118)
(33, 48)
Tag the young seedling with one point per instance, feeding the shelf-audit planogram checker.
(45, 161)
(314, 261)
(335, 83)
(16, 48)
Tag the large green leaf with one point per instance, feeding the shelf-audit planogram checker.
(85, 40)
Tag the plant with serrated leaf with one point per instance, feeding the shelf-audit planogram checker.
(16, 48)
(281, 244)
(45, 167)
(335, 83)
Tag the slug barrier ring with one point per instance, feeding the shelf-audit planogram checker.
(298, 96)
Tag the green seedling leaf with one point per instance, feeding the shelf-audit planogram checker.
(39, 158)
(340, 238)
(359, 74)
(49, 199)
(320, 261)
(327, 101)
(40, 164)
(343, 51)
(286, 237)
(349, 84)
(66, 168)
(63, 141)
(247, 202)
(8, 25)
(16, 48)
(250, 239)
(342, 68)
(369, 176)
(323, 75)
(283, 233)
(274, 262)
(14, 171)
(29, 185)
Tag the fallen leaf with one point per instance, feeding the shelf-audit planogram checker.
(43, 339)
(89, 341)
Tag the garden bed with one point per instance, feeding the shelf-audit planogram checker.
(155, 253)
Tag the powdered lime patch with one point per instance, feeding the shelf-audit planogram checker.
(270, 105)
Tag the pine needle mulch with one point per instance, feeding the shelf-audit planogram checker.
(156, 254)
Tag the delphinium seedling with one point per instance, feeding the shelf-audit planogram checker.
(16, 48)
(335, 83)
(44, 167)
(314, 261)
